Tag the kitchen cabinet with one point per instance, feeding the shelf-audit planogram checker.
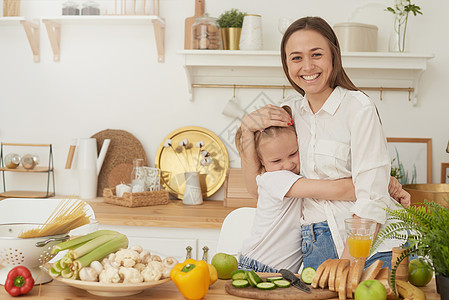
(48, 170)
(382, 71)
(173, 242)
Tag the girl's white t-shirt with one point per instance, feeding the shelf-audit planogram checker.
(276, 233)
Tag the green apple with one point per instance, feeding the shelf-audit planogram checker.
(370, 290)
(225, 264)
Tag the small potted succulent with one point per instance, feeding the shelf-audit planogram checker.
(231, 22)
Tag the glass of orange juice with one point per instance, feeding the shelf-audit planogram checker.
(360, 234)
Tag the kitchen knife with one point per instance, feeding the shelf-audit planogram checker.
(295, 281)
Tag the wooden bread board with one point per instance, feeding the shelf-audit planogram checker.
(199, 12)
(236, 194)
(278, 293)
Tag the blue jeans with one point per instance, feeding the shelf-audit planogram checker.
(318, 246)
(247, 263)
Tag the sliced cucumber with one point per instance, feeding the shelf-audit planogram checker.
(250, 277)
(282, 283)
(266, 285)
(307, 275)
(271, 279)
(256, 277)
(240, 283)
(238, 274)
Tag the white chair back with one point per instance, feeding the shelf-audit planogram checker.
(235, 230)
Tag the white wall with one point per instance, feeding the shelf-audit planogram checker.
(109, 77)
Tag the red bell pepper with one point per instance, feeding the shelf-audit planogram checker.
(19, 281)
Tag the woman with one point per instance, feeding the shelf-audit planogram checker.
(339, 135)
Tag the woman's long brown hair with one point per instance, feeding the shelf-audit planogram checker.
(338, 75)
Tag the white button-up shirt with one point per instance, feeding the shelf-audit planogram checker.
(344, 139)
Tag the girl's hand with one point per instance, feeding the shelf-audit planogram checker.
(265, 117)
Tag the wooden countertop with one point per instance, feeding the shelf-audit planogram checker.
(210, 214)
(58, 291)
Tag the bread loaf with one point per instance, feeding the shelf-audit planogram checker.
(319, 272)
(359, 266)
(372, 271)
(324, 280)
(342, 283)
(338, 275)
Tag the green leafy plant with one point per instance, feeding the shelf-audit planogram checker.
(424, 228)
(401, 10)
(231, 18)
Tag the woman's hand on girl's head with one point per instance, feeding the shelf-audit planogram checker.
(265, 117)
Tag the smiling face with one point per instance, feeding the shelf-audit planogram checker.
(309, 62)
(280, 152)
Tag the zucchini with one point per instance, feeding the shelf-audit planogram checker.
(250, 278)
(256, 277)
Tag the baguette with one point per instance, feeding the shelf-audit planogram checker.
(342, 284)
(341, 266)
(372, 271)
(324, 279)
(319, 272)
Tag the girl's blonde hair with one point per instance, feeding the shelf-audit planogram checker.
(269, 132)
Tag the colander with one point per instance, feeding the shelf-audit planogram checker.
(30, 253)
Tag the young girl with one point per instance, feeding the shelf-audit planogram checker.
(275, 241)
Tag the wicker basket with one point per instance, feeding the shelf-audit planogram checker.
(136, 199)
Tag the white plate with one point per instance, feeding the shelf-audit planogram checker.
(110, 289)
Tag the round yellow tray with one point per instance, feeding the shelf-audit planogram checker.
(174, 161)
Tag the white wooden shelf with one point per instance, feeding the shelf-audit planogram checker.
(371, 70)
(32, 30)
(53, 25)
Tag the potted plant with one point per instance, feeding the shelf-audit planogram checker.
(231, 22)
(428, 227)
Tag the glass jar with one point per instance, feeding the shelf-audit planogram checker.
(206, 34)
(70, 8)
(138, 176)
(12, 160)
(29, 161)
(90, 8)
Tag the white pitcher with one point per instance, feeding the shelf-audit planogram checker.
(88, 165)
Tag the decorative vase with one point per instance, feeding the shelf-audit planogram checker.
(192, 192)
(442, 283)
(398, 36)
(231, 38)
(251, 37)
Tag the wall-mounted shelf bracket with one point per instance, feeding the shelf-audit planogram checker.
(159, 34)
(54, 35)
(32, 30)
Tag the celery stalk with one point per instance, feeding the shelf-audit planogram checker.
(77, 241)
(100, 252)
(91, 245)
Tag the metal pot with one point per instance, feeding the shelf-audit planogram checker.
(31, 253)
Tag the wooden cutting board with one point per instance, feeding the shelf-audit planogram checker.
(278, 293)
(199, 11)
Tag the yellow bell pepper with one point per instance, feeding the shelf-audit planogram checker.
(213, 275)
(191, 278)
